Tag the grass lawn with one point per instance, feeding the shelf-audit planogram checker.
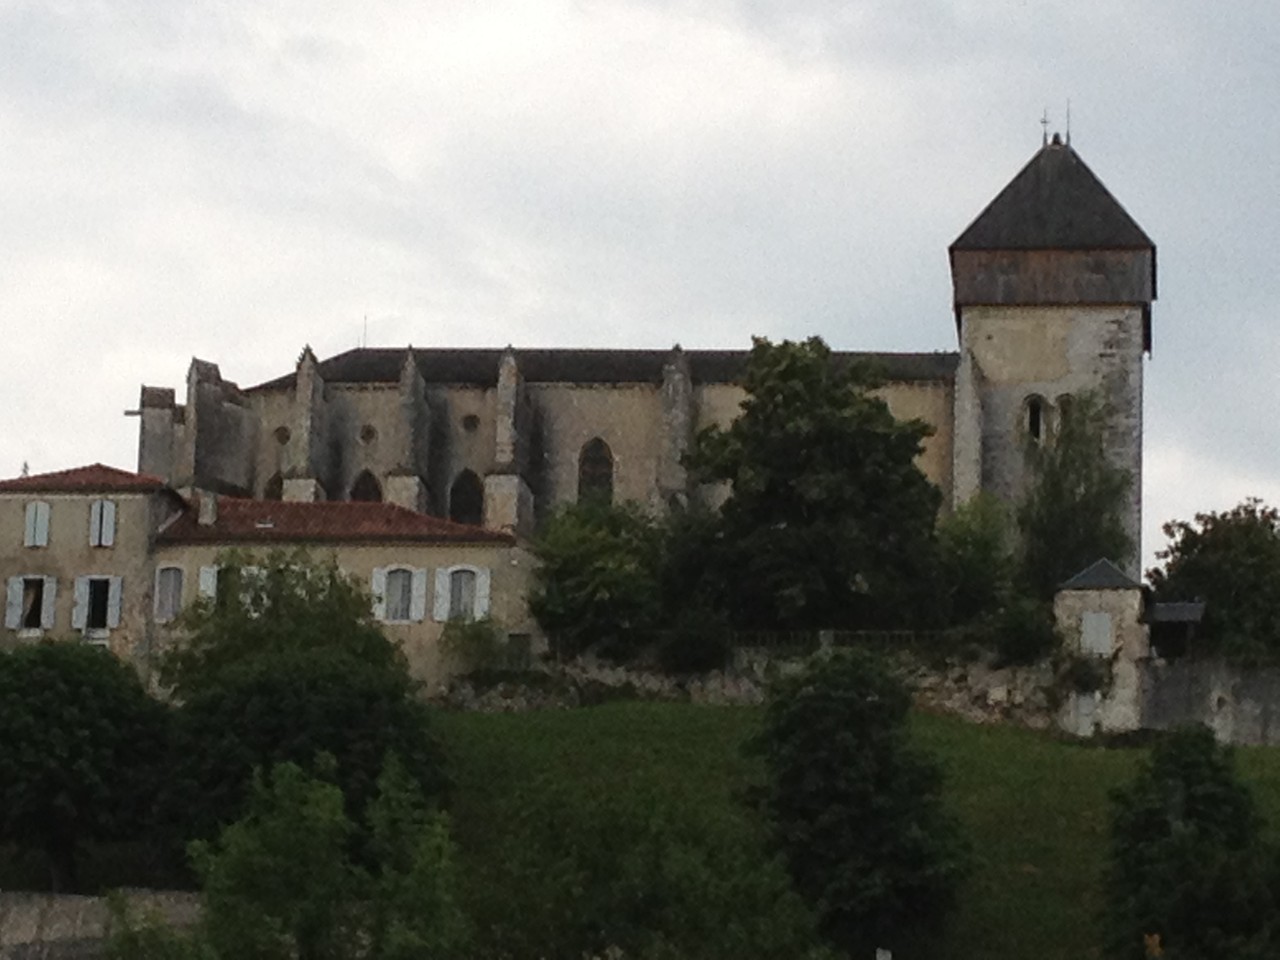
(1034, 807)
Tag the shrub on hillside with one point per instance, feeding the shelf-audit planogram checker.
(855, 809)
(82, 748)
(1189, 872)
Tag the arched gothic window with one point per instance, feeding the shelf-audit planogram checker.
(466, 499)
(366, 488)
(595, 472)
(274, 488)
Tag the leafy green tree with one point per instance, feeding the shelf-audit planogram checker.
(1231, 560)
(284, 602)
(597, 577)
(82, 748)
(829, 521)
(1073, 511)
(279, 883)
(976, 557)
(295, 706)
(855, 809)
(1188, 868)
(643, 871)
(416, 911)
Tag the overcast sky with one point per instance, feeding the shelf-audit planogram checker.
(233, 180)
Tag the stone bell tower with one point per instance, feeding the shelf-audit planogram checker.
(1053, 285)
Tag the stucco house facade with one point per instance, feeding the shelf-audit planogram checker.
(113, 557)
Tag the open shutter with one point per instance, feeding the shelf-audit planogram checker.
(49, 603)
(95, 523)
(378, 585)
(418, 599)
(108, 527)
(482, 593)
(80, 610)
(208, 584)
(29, 529)
(440, 610)
(114, 590)
(13, 603)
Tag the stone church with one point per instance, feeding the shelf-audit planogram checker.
(1053, 284)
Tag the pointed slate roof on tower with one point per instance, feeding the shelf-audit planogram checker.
(1055, 203)
(1101, 575)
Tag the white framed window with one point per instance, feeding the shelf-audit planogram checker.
(462, 593)
(97, 605)
(399, 594)
(207, 583)
(36, 531)
(30, 603)
(168, 593)
(102, 523)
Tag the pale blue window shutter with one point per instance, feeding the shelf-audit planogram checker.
(378, 585)
(108, 527)
(49, 603)
(95, 523)
(36, 533)
(440, 609)
(80, 609)
(114, 590)
(208, 582)
(482, 593)
(418, 599)
(13, 603)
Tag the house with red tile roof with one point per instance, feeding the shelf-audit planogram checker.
(112, 557)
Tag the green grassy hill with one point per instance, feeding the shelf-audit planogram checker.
(1035, 808)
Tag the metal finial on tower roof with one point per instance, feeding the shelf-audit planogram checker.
(1068, 121)
(1044, 126)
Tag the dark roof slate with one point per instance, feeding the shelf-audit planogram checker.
(1101, 575)
(94, 478)
(479, 366)
(1054, 203)
(1181, 611)
(275, 521)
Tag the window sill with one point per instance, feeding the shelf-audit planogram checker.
(98, 637)
(30, 633)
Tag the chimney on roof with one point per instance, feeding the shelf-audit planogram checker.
(208, 506)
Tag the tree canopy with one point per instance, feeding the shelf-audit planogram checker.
(82, 748)
(829, 522)
(1231, 560)
(1073, 511)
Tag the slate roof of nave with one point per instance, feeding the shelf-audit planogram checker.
(1054, 203)
(479, 367)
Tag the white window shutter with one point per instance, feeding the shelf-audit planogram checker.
(80, 610)
(114, 591)
(95, 523)
(29, 530)
(208, 584)
(378, 586)
(418, 598)
(13, 603)
(49, 603)
(440, 609)
(482, 593)
(36, 532)
(108, 527)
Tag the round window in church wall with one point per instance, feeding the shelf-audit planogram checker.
(368, 433)
(471, 423)
(282, 435)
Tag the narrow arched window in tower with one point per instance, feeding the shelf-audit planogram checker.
(366, 488)
(595, 472)
(1035, 419)
(466, 499)
(274, 488)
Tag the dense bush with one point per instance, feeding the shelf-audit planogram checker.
(293, 707)
(638, 870)
(1188, 869)
(82, 748)
(855, 809)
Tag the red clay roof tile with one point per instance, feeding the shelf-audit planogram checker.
(275, 521)
(95, 478)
